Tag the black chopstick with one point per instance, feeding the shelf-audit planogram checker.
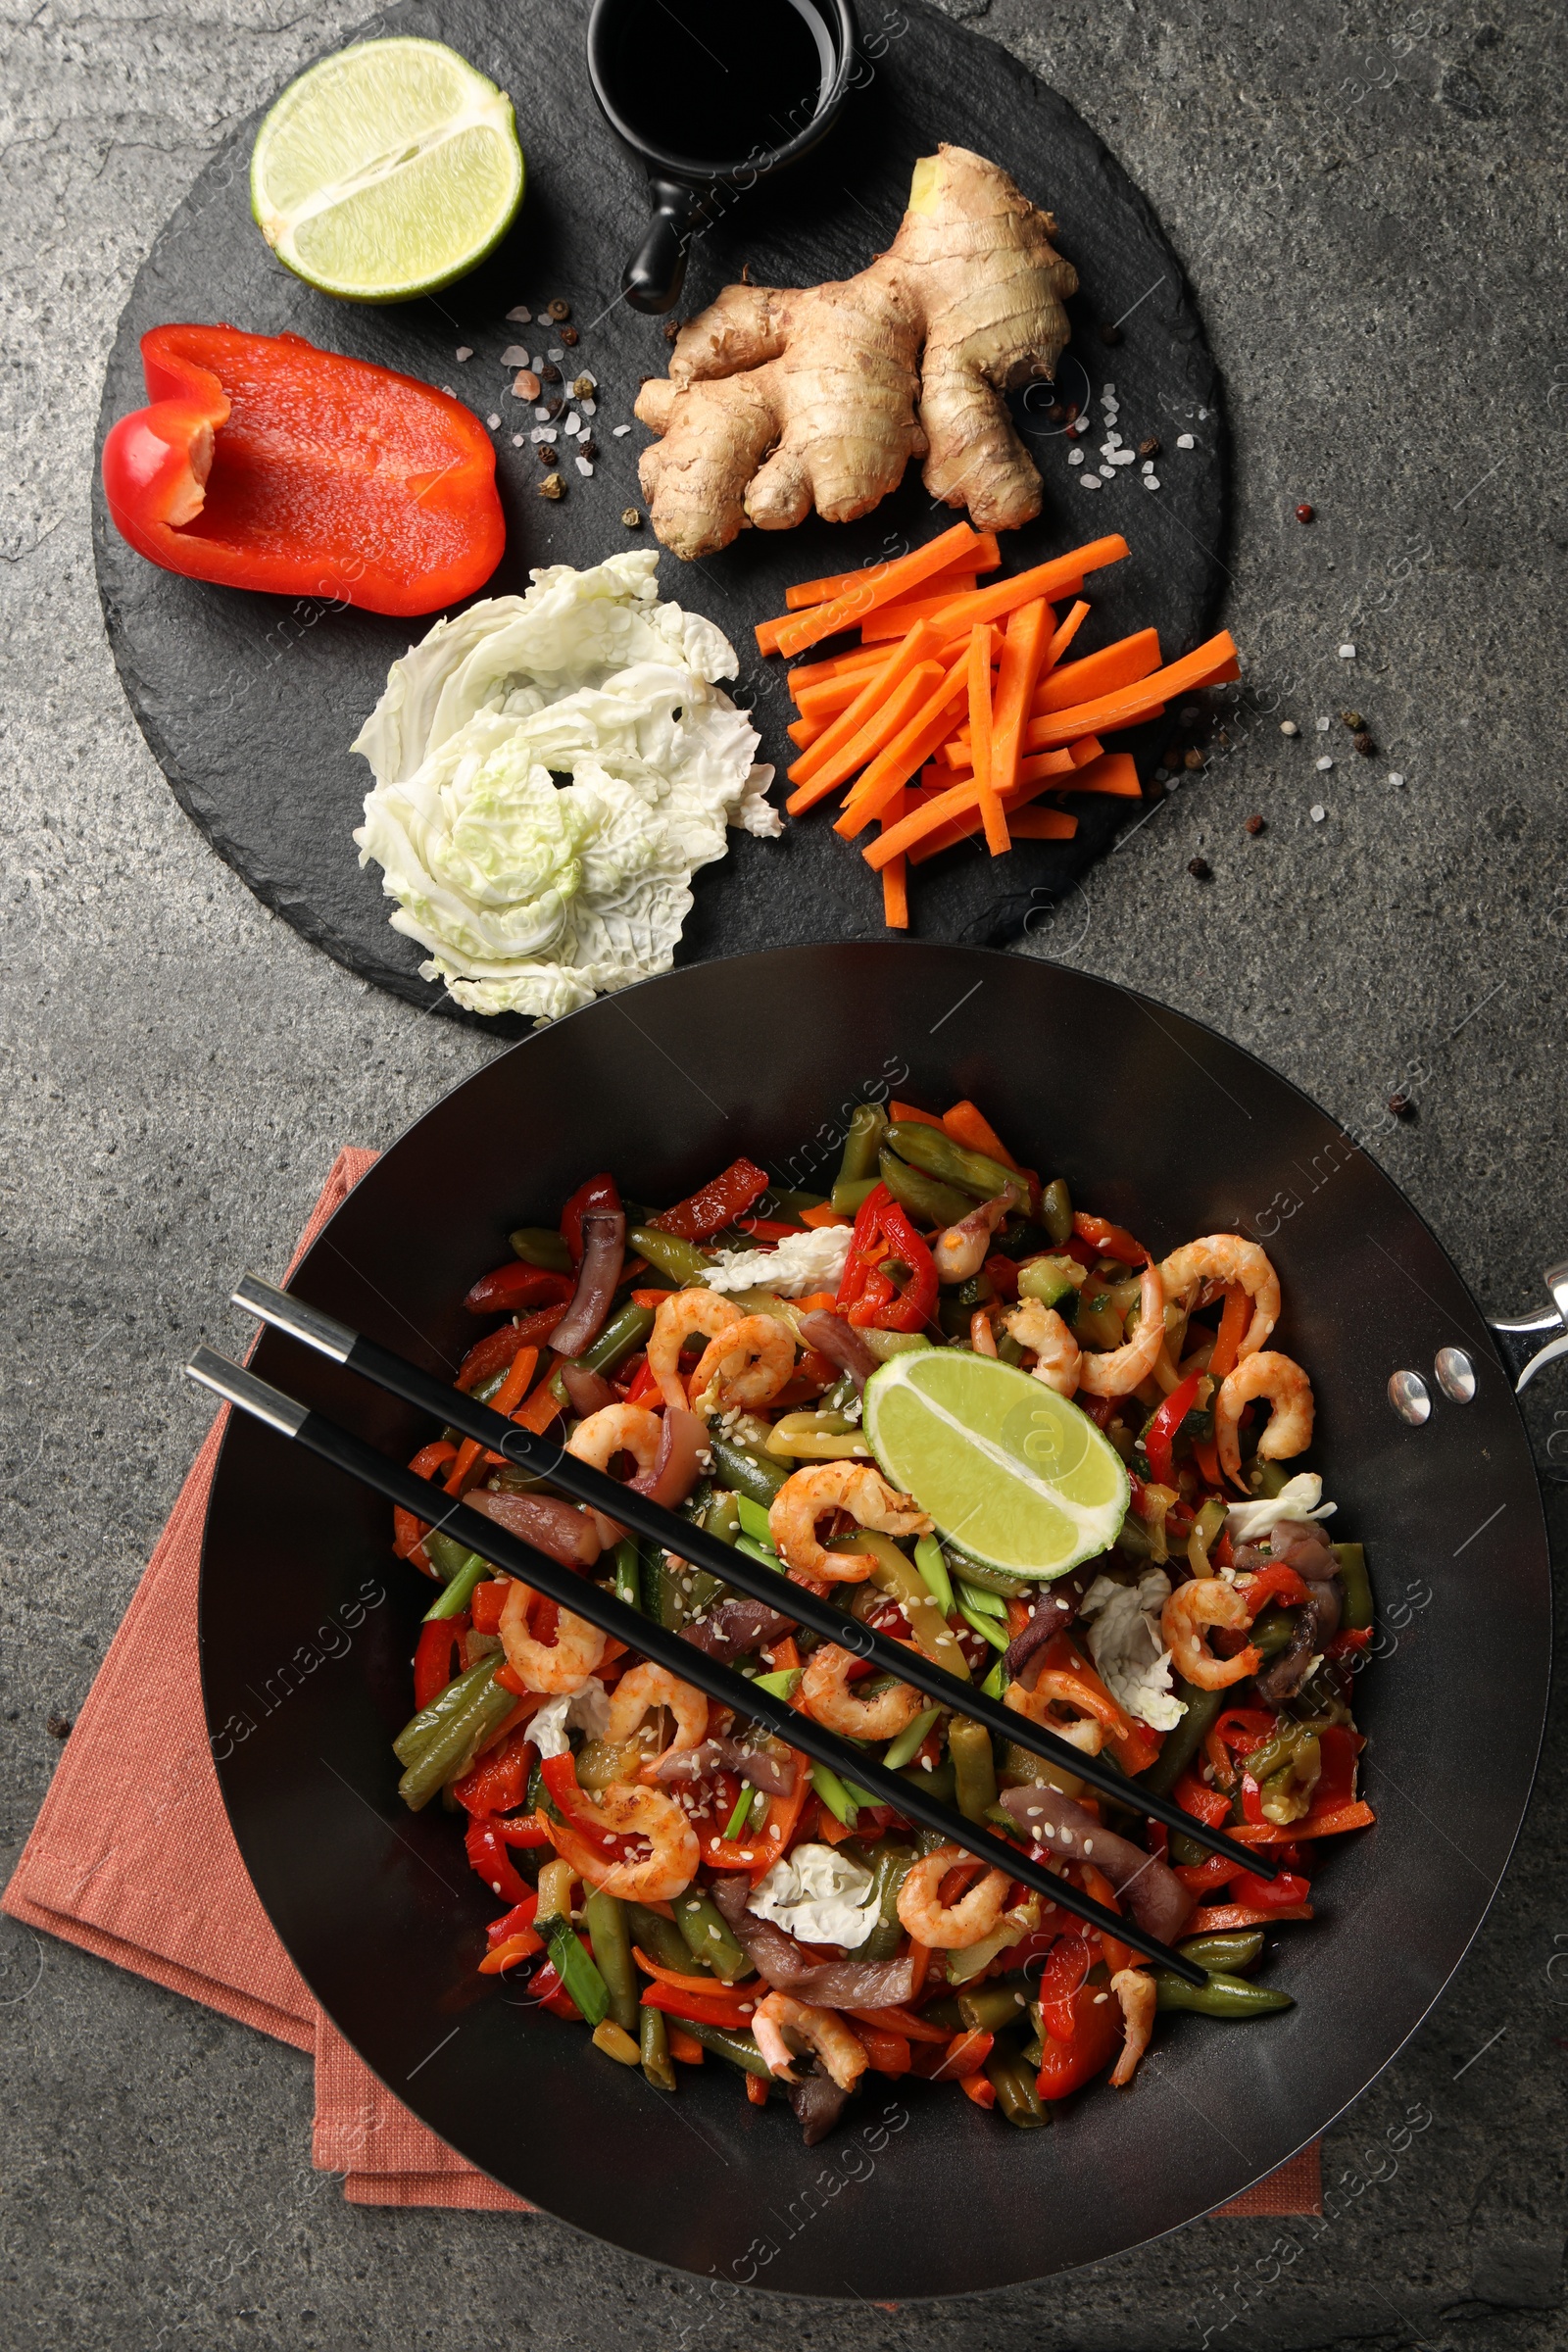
(547, 1460)
(641, 1634)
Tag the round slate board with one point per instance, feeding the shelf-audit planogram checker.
(250, 702)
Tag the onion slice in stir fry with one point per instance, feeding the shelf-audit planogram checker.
(604, 1249)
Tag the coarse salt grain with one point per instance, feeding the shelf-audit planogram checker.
(1110, 442)
(515, 355)
(1346, 653)
(543, 416)
(1288, 726)
(1150, 481)
(1395, 778)
(1185, 441)
(1107, 391)
(620, 430)
(590, 408)
(516, 440)
(1124, 456)
(1075, 456)
(1107, 474)
(585, 466)
(1319, 812)
(1089, 481)
(1324, 764)
(555, 352)
(494, 423)
(573, 424)
(521, 316)
(465, 351)
(1322, 727)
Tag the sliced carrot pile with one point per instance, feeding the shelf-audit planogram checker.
(960, 709)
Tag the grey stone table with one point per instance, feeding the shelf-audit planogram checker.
(1365, 201)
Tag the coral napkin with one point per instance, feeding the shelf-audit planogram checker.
(132, 1857)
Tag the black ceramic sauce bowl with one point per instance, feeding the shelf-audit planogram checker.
(308, 1622)
(761, 86)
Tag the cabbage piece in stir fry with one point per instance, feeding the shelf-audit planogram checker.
(681, 1881)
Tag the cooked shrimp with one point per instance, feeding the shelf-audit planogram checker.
(961, 1250)
(1136, 1990)
(562, 1665)
(1058, 1359)
(842, 2052)
(678, 1316)
(1226, 1257)
(617, 1429)
(827, 1698)
(1203, 1601)
(643, 1817)
(647, 1687)
(748, 1364)
(923, 1915)
(1290, 1424)
(858, 1488)
(1123, 1369)
(1094, 1714)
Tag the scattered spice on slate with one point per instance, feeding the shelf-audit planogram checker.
(525, 385)
(1401, 1105)
(1304, 513)
(1199, 869)
(1255, 825)
(1193, 760)
(568, 335)
(1150, 446)
(558, 308)
(632, 519)
(1364, 744)
(1111, 335)
(552, 486)
(671, 330)
(57, 1727)
(1288, 726)
(549, 373)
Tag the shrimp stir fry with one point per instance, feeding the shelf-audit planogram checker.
(997, 1431)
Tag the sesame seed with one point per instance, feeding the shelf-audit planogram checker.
(1089, 1846)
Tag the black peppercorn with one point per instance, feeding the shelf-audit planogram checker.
(1199, 869)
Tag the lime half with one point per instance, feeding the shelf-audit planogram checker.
(1011, 1473)
(387, 171)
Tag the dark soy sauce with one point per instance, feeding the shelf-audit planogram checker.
(721, 80)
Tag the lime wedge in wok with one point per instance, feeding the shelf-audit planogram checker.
(1011, 1473)
(387, 171)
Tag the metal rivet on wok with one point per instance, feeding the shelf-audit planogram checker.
(1457, 1375)
(1410, 1398)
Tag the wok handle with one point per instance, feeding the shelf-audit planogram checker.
(1516, 1334)
(654, 276)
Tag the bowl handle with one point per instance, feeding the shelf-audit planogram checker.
(652, 279)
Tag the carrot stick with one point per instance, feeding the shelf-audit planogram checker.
(878, 684)
(1120, 665)
(539, 1411)
(839, 665)
(892, 619)
(800, 629)
(1024, 648)
(959, 802)
(985, 557)
(1115, 773)
(968, 1125)
(511, 1394)
(897, 760)
(1232, 1324)
(1052, 580)
(1213, 663)
(1043, 824)
(991, 816)
(907, 697)
(896, 873)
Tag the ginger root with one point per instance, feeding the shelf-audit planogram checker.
(777, 401)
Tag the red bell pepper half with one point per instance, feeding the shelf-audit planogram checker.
(263, 462)
(599, 1191)
(1096, 2037)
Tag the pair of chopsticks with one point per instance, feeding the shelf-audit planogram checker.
(544, 1457)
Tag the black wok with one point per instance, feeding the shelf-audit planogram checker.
(308, 1621)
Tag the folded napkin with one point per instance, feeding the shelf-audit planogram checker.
(132, 1857)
